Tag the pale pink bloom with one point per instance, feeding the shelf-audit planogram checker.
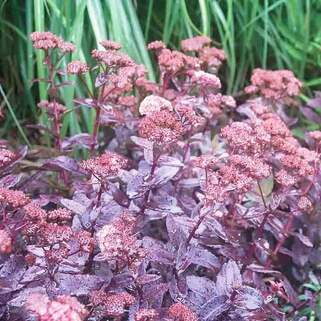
(154, 103)
(6, 157)
(108, 164)
(62, 308)
(275, 85)
(181, 312)
(156, 45)
(77, 67)
(13, 197)
(110, 45)
(5, 242)
(196, 43)
(146, 315)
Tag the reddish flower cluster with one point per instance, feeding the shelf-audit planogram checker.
(146, 315)
(118, 242)
(274, 85)
(153, 103)
(77, 67)
(106, 165)
(13, 198)
(62, 308)
(180, 312)
(110, 45)
(48, 40)
(113, 305)
(5, 242)
(54, 109)
(6, 157)
(162, 127)
(196, 43)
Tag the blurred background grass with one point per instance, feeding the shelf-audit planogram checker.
(267, 33)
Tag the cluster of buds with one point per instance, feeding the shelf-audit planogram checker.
(48, 40)
(62, 308)
(5, 242)
(279, 85)
(6, 157)
(107, 165)
(146, 315)
(111, 304)
(118, 243)
(181, 312)
(13, 198)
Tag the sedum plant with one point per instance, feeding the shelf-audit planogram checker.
(190, 205)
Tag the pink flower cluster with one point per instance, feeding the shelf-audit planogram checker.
(111, 304)
(181, 312)
(62, 308)
(6, 157)
(117, 242)
(5, 242)
(274, 85)
(48, 40)
(77, 67)
(106, 165)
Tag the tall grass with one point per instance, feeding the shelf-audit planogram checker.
(266, 33)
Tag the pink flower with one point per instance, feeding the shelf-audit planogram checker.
(5, 242)
(6, 157)
(146, 315)
(196, 43)
(118, 242)
(59, 215)
(45, 40)
(53, 108)
(212, 57)
(316, 135)
(62, 308)
(275, 85)
(66, 47)
(156, 45)
(304, 204)
(154, 103)
(14, 198)
(110, 45)
(35, 212)
(85, 240)
(161, 127)
(112, 304)
(181, 312)
(77, 67)
(206, 80)
(108, 164)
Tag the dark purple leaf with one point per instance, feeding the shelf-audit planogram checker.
(80, 284)
(214, 307)
(249, 298)
(229, 278)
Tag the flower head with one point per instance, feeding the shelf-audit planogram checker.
(154, 103)
(62, 308)
(162, 127)
(146, 315)
(77, 67)
(5, 242)
(196, 43)
(108, 164)
(6, 157)
(118, 242)
(181, 312)
(110, 45)
(156, 45)
(112, 304)
(275, 85)
(13, 197)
